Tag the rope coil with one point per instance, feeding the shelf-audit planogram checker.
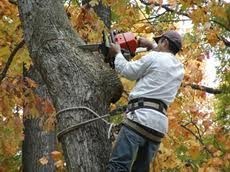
(98, 117)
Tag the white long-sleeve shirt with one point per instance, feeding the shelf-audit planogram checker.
(158, 75)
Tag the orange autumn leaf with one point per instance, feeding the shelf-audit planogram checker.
(59, 164)
(216, 162)
(48, 107)
(212, 38)
(207, 124)
(56, 155)
(31, 83)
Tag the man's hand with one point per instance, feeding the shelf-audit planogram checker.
(143, 42)
(114, 49)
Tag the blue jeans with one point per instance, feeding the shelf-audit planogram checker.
(131, 152)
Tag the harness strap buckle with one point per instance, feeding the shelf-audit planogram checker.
(140, 102)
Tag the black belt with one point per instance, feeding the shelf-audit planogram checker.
(150, 134)
(149, 103)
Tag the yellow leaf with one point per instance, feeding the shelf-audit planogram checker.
(59, 164)
(210, 169)
(218, 11)
(43, 160)
(155, 1)
(199, 16)
(56, 155)
(9, 147)
(151, 1)
(194, 151)
(207, 124)
(227, 157)
(112, 107)
(217, 162)
(212, 38)
(31, 83)
(141, 28)
(172, 2)
(93, 3)
(4, 52)
(217, 153)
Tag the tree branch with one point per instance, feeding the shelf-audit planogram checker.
(198, 138)
(10, 59)
(166, 7)
(197, 128)
(146, 3)
(226, 42)
(159, 15)
(143, 13)
(221, 24)
(168, 21)
(15, 2)
(173, 11)
(203, 88)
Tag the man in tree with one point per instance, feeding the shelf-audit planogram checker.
(158, 75)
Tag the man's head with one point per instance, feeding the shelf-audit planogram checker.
(169, 41)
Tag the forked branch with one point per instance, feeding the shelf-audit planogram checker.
(10, 59)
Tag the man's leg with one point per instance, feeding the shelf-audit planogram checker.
(144, 156)
(125, 150)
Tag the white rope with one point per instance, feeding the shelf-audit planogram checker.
(68, 129)
(81, 107)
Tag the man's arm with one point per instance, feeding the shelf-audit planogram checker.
(132, 70)
(143, 42)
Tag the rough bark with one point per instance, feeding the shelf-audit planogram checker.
(73, 77)
(37, 144)
(37, 141)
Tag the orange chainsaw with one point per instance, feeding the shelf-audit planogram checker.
(127, 42)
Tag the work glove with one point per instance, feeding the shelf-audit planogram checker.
(114, 49)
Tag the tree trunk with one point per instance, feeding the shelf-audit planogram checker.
(37, 142)
(36, 145)
(74, 77)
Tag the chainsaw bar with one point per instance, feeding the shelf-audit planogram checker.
(92, 47)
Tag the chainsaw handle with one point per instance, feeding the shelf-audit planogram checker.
(112, 36)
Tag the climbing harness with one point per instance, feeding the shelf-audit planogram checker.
(149, 103)
(133, 105)
(141, 130)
